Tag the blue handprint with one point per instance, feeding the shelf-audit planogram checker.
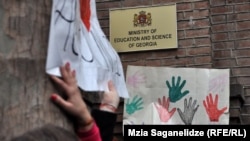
(135, 105)
(175, 93)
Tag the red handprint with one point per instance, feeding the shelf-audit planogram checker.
(211, 108)
(162, 108)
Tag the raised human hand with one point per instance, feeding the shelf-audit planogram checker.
(110, 99)
(162, 107)
(189, 110)
(73, 104)
(175, 93)
(135, 105)
(211, 108)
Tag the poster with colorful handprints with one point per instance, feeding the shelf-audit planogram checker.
(187, 96)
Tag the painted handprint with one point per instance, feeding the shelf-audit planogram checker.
(162, 108)
(135, 79)
(135, 105)
(189, 110)
(218, 84)
(211, 108)
(175, 93)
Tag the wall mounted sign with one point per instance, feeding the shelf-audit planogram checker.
(143, 28)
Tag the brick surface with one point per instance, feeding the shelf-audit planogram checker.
(219, 38)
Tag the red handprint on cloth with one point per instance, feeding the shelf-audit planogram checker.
(211, 108)
(162, 108)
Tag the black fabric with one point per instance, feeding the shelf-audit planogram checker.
(106, 122)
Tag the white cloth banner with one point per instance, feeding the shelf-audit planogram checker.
(164, 95)
(76, 37)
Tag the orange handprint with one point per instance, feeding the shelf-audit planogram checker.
(211, 108)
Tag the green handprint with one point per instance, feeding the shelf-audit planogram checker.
(175, 93)
(135, 105)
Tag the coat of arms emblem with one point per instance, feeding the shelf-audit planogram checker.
(142, 19)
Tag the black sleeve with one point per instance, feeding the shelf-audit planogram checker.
(106, 122)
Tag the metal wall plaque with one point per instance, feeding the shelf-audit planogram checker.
(143, 28)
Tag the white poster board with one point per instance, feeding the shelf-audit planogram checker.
(76, 37)
(164, 95)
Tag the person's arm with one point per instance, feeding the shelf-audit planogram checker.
(74, 105)
(106, 116)
(92, 134)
